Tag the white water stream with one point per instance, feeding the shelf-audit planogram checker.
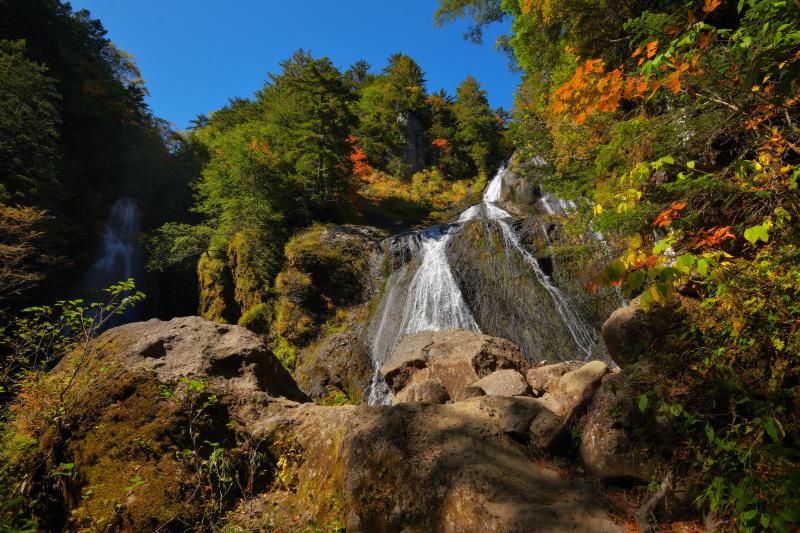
(433, 301)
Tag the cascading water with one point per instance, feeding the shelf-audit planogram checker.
(431, 300)
(120, 258)
(582, 333)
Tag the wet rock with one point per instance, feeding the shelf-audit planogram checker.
(507, 382)
(341, 362)
(544, 378)
(608, 447)
(428, 391)
(456, 359)
(571, 395)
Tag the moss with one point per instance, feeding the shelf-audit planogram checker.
(325, 271)
(216, 290)
(285, 352)
(111, 459)
(257, 318)
(250, 264)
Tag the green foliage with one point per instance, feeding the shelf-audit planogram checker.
(683, 140)
(43, 335)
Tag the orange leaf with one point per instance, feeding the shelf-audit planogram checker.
(637, 52)
(651, 48)
(711, 5)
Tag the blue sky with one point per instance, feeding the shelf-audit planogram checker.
(195, 54)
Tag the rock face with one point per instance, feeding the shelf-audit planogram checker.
(456, 359)
(232, 358)
(342, 363)
(507, 382)
(573, 392)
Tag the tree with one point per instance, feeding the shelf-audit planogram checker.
(478, 129)
(29, 123)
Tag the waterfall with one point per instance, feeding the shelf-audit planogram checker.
(431, 300)
(581, 332)
(120, 258)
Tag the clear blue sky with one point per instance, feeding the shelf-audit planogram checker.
(195, 54)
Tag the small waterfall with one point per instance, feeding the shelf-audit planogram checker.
(581, 332)
(120, 258)
(432, 302)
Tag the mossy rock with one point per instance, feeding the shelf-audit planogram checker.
(216, 290)
(327, 268)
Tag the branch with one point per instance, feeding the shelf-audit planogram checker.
(643, 514)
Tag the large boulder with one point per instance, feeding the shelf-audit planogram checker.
(417, 468)
(134, 403)
(609, 446)
(631, 330)
(506, 382)
(456, 359)
(427, 391)
(341, 363)
(232, 359)
(573, 392)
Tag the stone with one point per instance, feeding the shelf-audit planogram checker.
(544, 378)
(456, 359)
(428, 391)
(232, 359)
(469, 392)
(574, 391)
(506, 382)
(341, 362)
(608, 446)
(630, 331)
(417, 467)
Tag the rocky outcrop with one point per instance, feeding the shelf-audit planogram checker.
(456, 359)
(232, 359)
(573, 392)
(341, 363)
(157, 389)
(417, 467)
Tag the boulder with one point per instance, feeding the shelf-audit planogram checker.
(573, 392)
(418, 467)
(469, 392)
(506, 382)
(428, 391)
(341, 362)
(608, 446)
(232, 359)
(456, 359)
(544, 378)
(631, 330)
